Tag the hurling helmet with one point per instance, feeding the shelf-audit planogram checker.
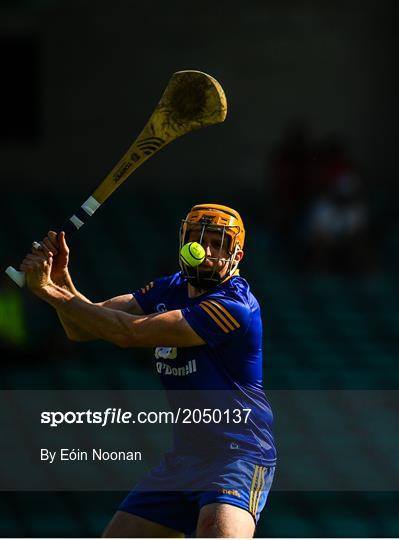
(212, 217)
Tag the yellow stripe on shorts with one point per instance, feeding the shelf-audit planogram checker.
(258, 482)
(262, 485)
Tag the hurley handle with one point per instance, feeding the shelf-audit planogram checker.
(74, 223)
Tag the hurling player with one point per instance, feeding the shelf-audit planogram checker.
(206, 328)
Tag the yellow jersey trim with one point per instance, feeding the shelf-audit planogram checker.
(215, 309)
(224, 310)
(217, 321)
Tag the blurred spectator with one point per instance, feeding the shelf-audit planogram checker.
(318, 204)
(337, 224)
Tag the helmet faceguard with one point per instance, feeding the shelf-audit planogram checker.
(212, 217)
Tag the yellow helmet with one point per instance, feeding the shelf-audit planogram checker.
(217, 216)
(213, 217)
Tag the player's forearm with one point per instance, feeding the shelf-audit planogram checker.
(72, 330)
(95, 321)
(65, 281)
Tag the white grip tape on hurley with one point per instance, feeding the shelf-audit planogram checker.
(90, 206)
(16, 276)
(76, 221)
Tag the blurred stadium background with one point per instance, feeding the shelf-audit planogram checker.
(307, 154)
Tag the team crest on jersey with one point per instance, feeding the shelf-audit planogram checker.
(166, 353)
(161, 307)
(147, 287)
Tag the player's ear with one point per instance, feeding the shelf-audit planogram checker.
(239, 255)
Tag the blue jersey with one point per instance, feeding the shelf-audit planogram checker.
(222, 378)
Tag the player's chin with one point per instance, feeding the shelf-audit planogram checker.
(206, 266)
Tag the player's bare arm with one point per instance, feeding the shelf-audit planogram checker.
(74, 330)
(124, 329)
(55, 245)
(118, 327)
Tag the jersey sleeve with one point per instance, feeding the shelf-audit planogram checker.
(216, 320)
(150, 298)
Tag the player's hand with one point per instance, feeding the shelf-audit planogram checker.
(37, 268)
(57, 246)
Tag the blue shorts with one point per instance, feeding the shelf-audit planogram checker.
(173, 493)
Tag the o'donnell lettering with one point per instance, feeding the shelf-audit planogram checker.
(104, 455)
(166, 369)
